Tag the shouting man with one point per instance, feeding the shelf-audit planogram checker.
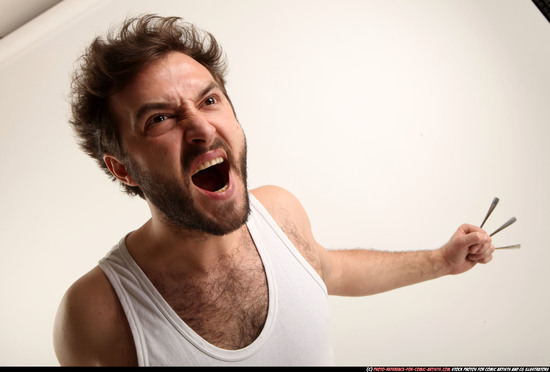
(220, 274)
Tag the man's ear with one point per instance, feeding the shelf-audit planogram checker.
(118, 169)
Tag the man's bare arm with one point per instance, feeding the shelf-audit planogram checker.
(361, 272)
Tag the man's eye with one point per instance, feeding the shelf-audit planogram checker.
(158, 118)
(210, 101)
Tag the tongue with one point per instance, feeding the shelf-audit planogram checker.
(209, 179)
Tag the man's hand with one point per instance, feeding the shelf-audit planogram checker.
(468, 246)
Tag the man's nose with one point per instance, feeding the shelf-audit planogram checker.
(198, 130)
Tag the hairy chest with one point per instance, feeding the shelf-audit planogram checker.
(228, 307)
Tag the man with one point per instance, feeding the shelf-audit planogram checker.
(220, 275)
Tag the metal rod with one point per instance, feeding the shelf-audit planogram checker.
(491, 208)
(506, 224)
(515, 246)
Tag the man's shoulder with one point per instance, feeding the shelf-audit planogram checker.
(279, 202)
(291, 216)
(90, 291)
(89, 318)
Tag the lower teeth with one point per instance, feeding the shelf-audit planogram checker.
(222, 189)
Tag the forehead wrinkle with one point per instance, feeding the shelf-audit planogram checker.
(167, 84)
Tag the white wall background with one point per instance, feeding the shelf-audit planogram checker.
(393, 121)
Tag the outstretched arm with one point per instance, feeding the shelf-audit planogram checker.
(361, 272)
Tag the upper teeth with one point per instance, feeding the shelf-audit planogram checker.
(208, 164)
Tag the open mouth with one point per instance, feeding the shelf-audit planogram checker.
(212, 175)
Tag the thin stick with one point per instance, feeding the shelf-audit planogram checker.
(491, 208)
(515, 246)
(506, 224)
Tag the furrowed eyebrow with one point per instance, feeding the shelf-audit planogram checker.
(154, 106)
(147, 107)
(210, 87)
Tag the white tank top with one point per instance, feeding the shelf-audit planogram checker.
(296, 330)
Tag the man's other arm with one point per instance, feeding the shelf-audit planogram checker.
(361, 272)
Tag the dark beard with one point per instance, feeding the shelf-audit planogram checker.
(177, 205)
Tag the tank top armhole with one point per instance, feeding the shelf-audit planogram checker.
(284, 238)
(131, 316)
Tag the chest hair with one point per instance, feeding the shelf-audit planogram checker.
(226, 306)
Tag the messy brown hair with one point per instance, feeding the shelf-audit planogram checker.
(110, 63)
